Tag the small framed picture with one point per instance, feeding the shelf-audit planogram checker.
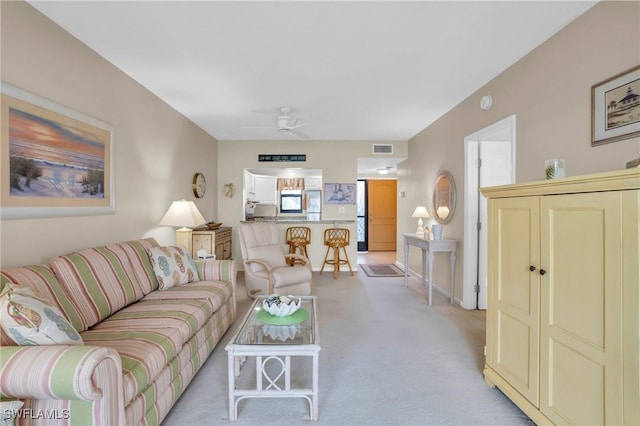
(615, 108)
(339, 193)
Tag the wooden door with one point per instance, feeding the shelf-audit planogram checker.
(581, 305)
(513, 292)
(382, 215)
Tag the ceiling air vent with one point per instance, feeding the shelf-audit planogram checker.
(382, 149)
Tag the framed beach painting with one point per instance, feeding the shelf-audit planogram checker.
(339, 193)
(615, 108)
(55, 161)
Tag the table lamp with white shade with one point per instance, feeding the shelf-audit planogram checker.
(184, 215)
(421, 212)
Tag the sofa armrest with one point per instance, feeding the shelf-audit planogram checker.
(219, 270)
(86, 373)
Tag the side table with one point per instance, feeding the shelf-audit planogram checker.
(429, 247)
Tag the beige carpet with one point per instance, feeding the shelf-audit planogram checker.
(387, 358)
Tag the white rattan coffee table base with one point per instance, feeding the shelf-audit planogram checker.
(273, 347)
(267, 385)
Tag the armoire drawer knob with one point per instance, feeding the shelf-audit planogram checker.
(532, 268)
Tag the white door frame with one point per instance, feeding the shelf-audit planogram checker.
(471, 213)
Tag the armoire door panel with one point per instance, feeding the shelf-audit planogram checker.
(569, 371)
(516, 258)
(513, 360)
(576, 276)
(513, 322)
(631, 307)
(581, 319)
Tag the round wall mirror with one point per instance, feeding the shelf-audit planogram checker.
(444, 198)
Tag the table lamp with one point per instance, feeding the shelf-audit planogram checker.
(185, 215)
(420, 212)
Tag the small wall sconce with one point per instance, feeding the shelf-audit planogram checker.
(229, 189)
(442, 212)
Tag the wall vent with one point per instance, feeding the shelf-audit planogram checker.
(382, 149)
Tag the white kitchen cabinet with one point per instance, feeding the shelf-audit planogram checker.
(265, 189)
(312, 183)
(249, 185)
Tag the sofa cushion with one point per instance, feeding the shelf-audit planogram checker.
(137, 252)
(99, 280)
(173, 266)
(148, 335)
(27, 319)
(287, 275)
(216, 293)
(42, 280)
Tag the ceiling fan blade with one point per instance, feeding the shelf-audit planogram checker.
(299, 135)
(297, 123)
(259, 127)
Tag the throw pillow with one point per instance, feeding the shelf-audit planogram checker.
(172, 266)
(27, 319)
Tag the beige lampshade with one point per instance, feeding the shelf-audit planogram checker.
(183, 214)
(420, 211)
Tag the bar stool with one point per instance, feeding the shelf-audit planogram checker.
(336, 238)
(298, 238)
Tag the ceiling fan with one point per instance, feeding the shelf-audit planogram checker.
(285, 124)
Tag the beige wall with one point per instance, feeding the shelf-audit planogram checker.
(156, 149)
(337, 160)
(549, 91)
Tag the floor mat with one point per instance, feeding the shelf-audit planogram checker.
(382, 270)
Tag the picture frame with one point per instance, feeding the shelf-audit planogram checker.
(55, 161)
(615, 108)
(339, 193)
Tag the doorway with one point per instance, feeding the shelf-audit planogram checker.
(381, 211)
(377, 215)
(489, 160)
(362, 226)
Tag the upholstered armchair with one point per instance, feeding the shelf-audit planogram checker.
(265, 264)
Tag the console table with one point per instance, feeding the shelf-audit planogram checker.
(429, 247)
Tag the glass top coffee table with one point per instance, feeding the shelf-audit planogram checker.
(273, 341)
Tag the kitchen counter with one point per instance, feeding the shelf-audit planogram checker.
(317, 250)
(302, 220)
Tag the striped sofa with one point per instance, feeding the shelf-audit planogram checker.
(142, 346)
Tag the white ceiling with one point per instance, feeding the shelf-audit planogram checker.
(359, 70)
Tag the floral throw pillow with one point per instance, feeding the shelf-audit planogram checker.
(27, 319)
(173, 266)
